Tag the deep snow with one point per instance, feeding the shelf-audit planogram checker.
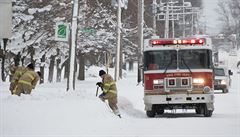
(51, 111)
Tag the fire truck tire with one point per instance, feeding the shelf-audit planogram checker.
(198, 110)
(207, 113)
(151, 113)
(160, 111)
(225, 90)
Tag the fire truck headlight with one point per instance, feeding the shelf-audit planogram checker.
(223, 82)
(198, 81)
(158, 82)
(206, 89)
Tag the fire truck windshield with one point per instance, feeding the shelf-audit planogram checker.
(160, 60)
(173, 59)
(194, 59)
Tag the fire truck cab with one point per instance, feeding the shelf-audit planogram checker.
(178, 74)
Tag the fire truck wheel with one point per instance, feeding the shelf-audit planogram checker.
(198, 110)
(207, 113)
(160, 111)
(151, 113)
(225, 90)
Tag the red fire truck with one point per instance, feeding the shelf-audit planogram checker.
(178, 74)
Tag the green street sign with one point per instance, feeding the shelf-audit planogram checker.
(61, 31)
(90, 31)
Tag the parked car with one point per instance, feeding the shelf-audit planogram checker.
(222, 80)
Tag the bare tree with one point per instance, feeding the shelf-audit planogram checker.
(229, 12)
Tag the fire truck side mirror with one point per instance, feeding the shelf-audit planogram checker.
(230, 72)
(141, 66)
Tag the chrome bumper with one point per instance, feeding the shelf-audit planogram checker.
(179, 98)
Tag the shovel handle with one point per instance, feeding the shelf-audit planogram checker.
(97, 91)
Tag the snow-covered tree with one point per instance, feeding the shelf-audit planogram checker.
(33, 33)
(229, 15)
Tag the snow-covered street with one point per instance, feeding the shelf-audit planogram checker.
(51, 111)
(174, 66)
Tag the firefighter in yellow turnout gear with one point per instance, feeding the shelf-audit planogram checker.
(109, 89)
(16, 73)
(25, 80)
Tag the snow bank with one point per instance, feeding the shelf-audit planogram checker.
(51, 111)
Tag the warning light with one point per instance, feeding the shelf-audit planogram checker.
(193, 41)
(177, 41)
(162, 42)
(201, 41)
(184, 41)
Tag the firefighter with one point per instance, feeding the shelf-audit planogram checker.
(109, 89)
(27, 81)
(16, 73)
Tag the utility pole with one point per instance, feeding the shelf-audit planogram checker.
(197, 24)
(5, 31)
(84, 14)
(166, 22)
(140, 37)
(184, 19)
(170, 12)
(192, 25)
(173, 28)
(154, 16)
(73, 45)
(117, 67)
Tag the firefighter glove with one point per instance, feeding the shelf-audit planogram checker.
(100, 84)
(12, 86)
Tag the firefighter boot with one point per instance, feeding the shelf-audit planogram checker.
(116, 112)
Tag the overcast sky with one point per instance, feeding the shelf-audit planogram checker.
(211, 16)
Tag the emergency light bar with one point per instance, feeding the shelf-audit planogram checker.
(177, 41)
